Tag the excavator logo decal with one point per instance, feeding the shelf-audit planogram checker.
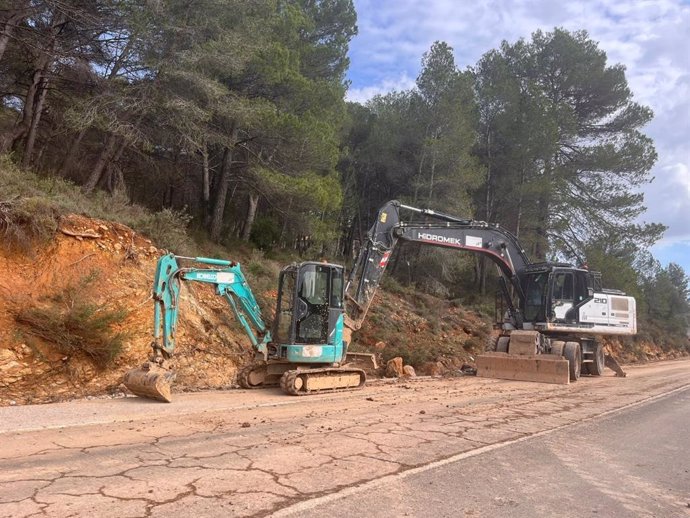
(453, 241)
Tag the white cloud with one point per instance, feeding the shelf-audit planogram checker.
(650, 37)
(362, 95)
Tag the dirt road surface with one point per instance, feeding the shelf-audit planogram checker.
(258, 453)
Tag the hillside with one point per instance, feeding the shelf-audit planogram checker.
(77, 310)
(106, 266)
(110, 267)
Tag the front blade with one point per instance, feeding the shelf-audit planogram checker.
(543, 368)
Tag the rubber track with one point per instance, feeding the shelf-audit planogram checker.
(287, 380)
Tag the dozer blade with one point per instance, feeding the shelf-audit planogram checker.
(364, 361)
(543, 368)
(150, 381)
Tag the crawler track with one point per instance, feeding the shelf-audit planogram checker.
(302, 382)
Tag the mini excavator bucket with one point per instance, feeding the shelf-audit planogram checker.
(522, 363)
(150, 381)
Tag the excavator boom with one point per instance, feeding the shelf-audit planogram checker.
(154, 378)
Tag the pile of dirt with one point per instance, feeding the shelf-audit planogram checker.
(435, 336)
(641, 351)
(121, 263)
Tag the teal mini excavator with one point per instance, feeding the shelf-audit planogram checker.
(304, 352)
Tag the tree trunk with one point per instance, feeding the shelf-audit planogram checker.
(46, 57)
(251, 214)
(8, 26)
(5, 37)
(418, 182)
(101, 163)
(488, 214)
(222, 192)
(432, 178)
(33, 129)
(11, 137)
(521, 199)
(72, 152)
(111, 180)
(205, 184)
(543, 207)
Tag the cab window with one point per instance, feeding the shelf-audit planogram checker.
(562, 286)
(535, 294)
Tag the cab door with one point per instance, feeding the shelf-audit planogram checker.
(562, 294)
(312, 307)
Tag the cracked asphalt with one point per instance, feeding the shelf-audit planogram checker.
(256, 453)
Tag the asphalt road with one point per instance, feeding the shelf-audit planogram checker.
(446, 447)
(632, 463)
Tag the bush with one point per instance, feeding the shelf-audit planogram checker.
(265, 232)
(24, 221)
(168, 229)
(73, 324)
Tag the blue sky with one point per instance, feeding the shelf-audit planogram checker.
(650, 37)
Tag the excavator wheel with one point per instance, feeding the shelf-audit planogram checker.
(573, 353)
(596, 367)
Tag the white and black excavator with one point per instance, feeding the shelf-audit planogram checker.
(554, 311)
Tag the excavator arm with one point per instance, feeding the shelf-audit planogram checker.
(441, 230)
(154, 378)
(229, 282)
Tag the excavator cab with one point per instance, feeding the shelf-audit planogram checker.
(561, 298)
(308, 327)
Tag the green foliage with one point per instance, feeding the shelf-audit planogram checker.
(265, 232)
(167, 228)
(667, 294)
(561, 141)
(74, 324)
(34, 203)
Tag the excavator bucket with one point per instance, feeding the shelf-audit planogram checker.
(544, 368)
(150, 381)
